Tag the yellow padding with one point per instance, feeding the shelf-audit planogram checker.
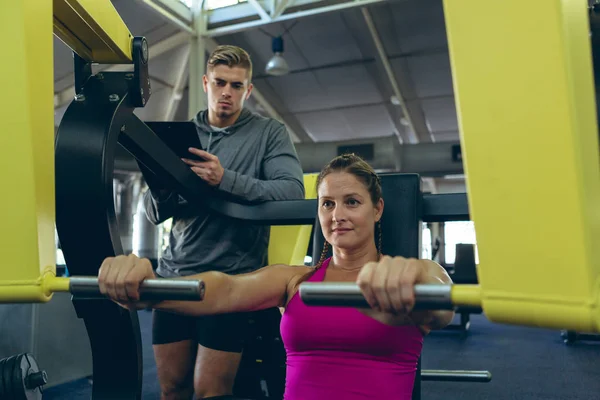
(33, 291)
(523, 81)
(288, 244)
(26, 143)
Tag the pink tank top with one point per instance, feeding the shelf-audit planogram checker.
(339, 353)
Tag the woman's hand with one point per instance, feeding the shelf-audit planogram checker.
(388, 285)
(120, 277)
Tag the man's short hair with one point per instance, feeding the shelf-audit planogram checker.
(232, 56)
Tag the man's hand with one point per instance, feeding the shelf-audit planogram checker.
(209, 170)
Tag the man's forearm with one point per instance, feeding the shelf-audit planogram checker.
(252, 189)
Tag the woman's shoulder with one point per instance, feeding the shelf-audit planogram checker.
(299, 274)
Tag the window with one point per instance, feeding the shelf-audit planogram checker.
(426, 243)
(458, 232)
(214, 4)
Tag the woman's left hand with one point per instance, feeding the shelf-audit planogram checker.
(388, 285)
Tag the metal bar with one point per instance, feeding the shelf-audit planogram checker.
(197, 68)
(178, 8)
(177, 91)
(234, 28)
(413, 133)
(280, 8)
(260, 10)
(168, 16)
(151, 289)
(445, 207)
(427, 296)
(94, 30)
(343, 294)
(455, 376)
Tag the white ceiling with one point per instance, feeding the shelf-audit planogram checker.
(337, 88)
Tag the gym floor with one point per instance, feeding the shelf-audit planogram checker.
(525, 363)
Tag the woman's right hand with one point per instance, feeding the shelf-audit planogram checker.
(120, 277)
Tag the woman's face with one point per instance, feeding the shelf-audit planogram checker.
(346, 212)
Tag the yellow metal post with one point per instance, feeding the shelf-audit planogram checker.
(94, 30)
(288, 244)
(523, 80)
(26, 150)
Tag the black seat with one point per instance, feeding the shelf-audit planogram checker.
(261, 374)
(465, 268)
(400, 226)
(464, 272)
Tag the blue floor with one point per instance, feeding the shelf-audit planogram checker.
(526, 363)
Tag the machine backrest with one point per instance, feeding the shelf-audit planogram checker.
(400, 225)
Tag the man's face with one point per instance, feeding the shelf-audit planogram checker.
(227, 88)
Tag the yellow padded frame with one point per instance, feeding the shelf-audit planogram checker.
(523, 81)
(288, 244)
(26, 151)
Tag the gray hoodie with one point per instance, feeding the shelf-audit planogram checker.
(260, 164)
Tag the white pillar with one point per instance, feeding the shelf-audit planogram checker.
(196, 95)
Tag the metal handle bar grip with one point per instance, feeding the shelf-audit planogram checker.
(345, 294)
(150, 289)
(455, 376)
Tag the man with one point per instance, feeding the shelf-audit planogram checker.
(250, 158)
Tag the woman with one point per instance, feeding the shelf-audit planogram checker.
(332, 352)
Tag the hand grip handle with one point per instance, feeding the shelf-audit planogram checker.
(343, 294)
(150, 289)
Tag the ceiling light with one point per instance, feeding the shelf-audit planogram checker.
(277, 65)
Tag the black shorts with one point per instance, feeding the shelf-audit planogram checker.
(224, 332)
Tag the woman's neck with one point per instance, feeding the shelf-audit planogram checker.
(352, 260)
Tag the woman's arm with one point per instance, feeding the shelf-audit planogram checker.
(433, 319)
(120, 278)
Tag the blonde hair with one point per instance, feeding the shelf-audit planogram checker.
(232, 56)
